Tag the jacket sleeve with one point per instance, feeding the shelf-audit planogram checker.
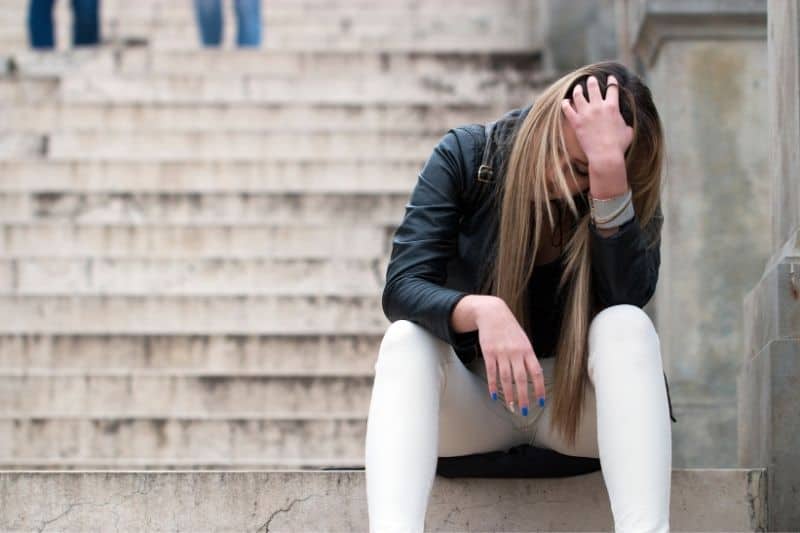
(625, 265)
(425, 241)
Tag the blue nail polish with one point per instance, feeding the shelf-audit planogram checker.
(494, 396)
(525, 411)
(541, 401)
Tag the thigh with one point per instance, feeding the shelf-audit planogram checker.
(469, 420)
(586, 439)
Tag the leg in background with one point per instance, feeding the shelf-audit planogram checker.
(209, 21)
(425, 404)
(85, 22)
(248, 16)
(40, 24)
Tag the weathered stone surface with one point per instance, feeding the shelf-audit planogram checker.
(716, 209)
(702, 500)
(292, 439)
(178, 314)
(202, 276)
(282, 355)
(368, 208)
(278, 175)
(181, 393)
(252, 240)
(769, 381)
(306, 117)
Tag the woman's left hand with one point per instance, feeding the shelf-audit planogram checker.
(598, 124)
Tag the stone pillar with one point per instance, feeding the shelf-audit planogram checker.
(579, 33)
(705, 63)
(769, 380)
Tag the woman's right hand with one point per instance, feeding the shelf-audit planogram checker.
(506, 347)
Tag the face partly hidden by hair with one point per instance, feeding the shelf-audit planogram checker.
(576, 158)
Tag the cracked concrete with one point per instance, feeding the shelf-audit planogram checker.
(265, 527)
(269, 501)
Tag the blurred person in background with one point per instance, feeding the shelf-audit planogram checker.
(210, 22)
(85, 23)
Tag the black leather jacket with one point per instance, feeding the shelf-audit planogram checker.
(442, 247)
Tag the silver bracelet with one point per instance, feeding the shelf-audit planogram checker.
(612, 212)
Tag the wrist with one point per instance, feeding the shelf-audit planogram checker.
(484, 306)
(607, 175)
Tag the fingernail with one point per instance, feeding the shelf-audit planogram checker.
(511, 405)
(494, 395)
(525, 411)
(541, 401)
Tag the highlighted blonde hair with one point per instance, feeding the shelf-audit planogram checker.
(538, 145)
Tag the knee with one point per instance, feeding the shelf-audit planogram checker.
(623, 333)
(408, 347)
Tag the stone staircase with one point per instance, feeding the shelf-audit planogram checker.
(193, 250)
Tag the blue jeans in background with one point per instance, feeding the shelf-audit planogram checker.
(85, 23)
(210, 22)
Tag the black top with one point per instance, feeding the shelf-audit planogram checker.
(545, 307)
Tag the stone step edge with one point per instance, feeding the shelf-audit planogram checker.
(145, 292)
(179, 465)
(185, 225)
(301, 132)
(330, 373)
(290, 416)
(293, 499)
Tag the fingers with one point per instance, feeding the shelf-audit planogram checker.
(505, 379)
(579, 99)
(569, 111)
(491, 376)
(537, 375)
(612, 89)
(593, 87)
(521, 380)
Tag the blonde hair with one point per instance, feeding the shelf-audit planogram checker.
(536, 145)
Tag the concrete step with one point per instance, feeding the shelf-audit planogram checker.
(335, 500)
(161, 393)
(291, 437)
(346, 36)
(357, 175)
(507, 24)
(181, 464)
(26, 92)
(508, 88)
(193, 240)
(203, 208)
(422, 119)
(215, 146)
(177, 314)
(198, 277)
(170, 12)
(321, 64)
(281, 355)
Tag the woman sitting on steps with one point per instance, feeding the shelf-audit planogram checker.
(511, 325)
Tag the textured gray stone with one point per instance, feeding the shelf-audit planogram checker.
(769, 380)
(702, 500)
(708, 80)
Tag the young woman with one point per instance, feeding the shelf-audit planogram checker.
(496, 304)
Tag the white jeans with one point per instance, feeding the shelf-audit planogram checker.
(427, 404)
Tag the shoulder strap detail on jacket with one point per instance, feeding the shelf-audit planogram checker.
(485, 170)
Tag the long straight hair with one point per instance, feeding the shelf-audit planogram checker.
(537, 145)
